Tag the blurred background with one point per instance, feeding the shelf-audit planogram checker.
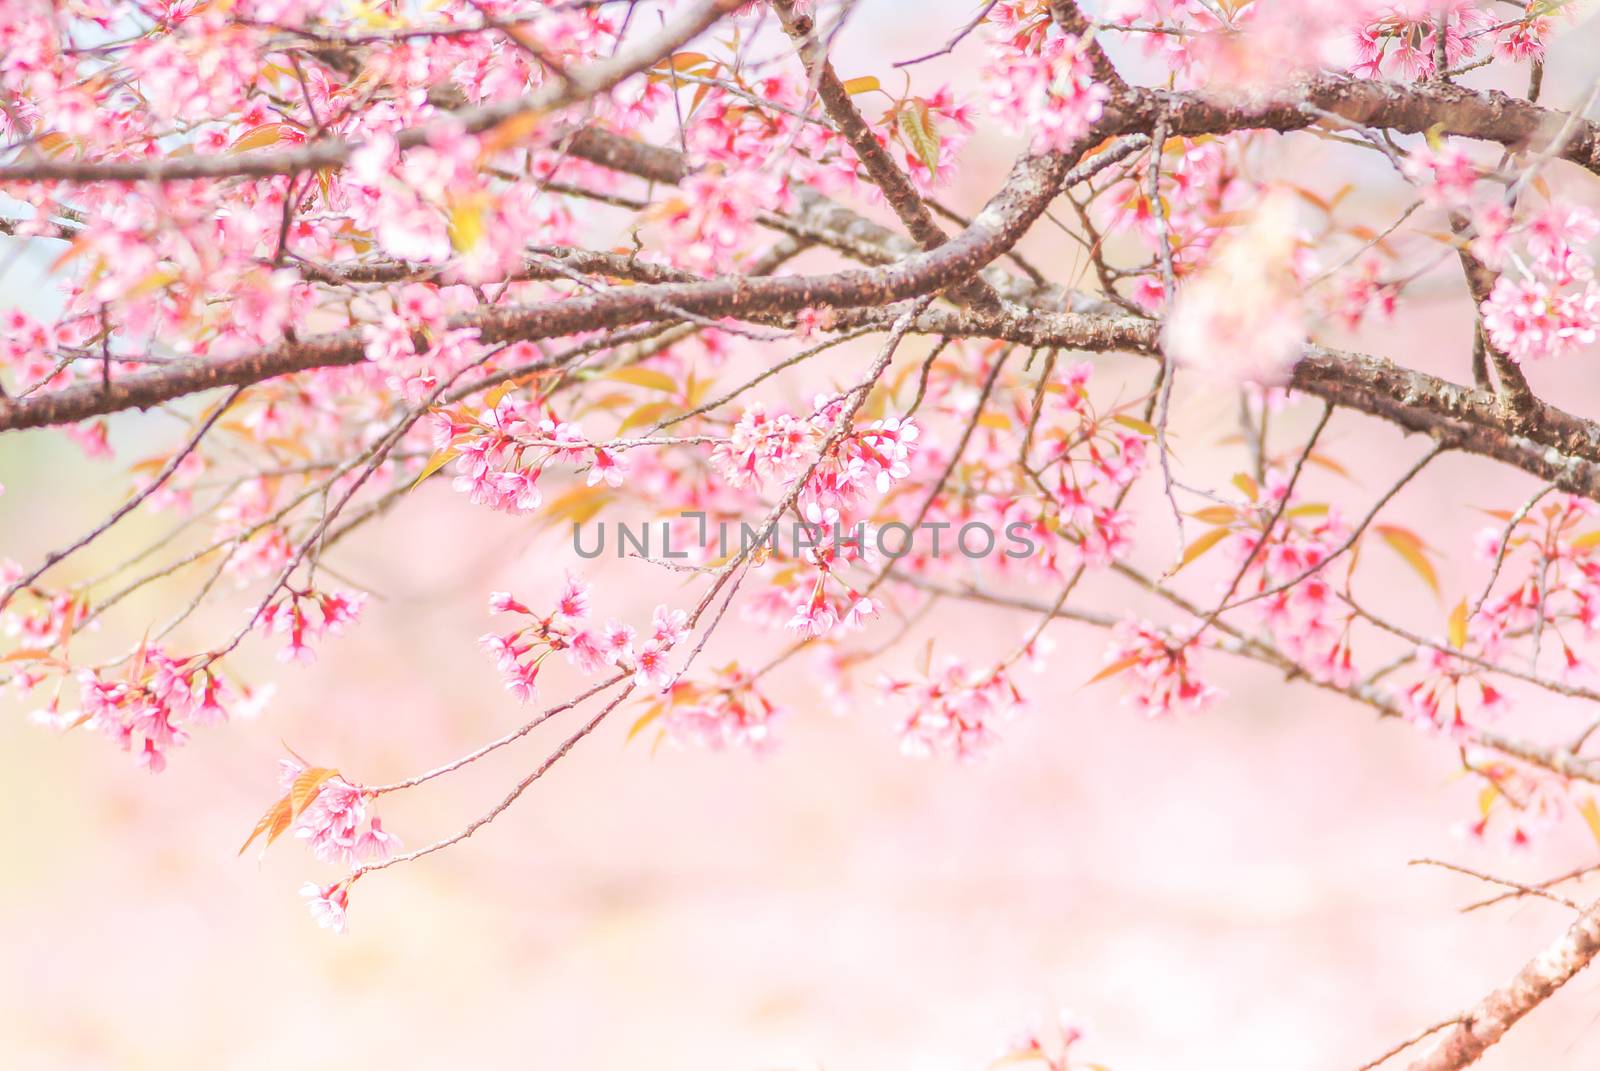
(1228, 891)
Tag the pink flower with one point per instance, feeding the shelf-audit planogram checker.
(617, 643)
(671, 625)
(377, 843)
(608, 468)
(328, 904)
(1446, 174)
(1049, 94)
(331, 821)
(1162, 672)
(572, 605)
(503, 602)
(1526, 319)
(651, 671)
(1241, 318)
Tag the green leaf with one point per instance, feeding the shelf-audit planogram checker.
(916, 126)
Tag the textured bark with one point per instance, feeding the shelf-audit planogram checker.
(1028, 190)
(1488, 1021)
(880, 166)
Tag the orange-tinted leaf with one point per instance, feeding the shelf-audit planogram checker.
(648, 413)
(861, 85)
(916, 126)
(1587, 541)
(1486, 797)
(271, 825)
(439, 460)
(577, 505)
(259, 137)
(682, 61)
(1143, 427)
(643, 722)
(1591, 815)
(1330, 464)
(1458, 626)
(509, 132)
(645, 377)
(1216, 515)
(1247, 483)
(306, 787)
(1201, 545)
(1412, 550)
(993, 418)
(1113, 669)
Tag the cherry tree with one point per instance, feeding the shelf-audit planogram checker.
(587, 260)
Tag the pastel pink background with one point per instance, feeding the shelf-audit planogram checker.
(1225, 892)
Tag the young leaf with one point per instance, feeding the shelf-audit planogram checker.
(439, 460)
(1201, 545)
(306, 787)
(645, 377)
(271, 825)
(643, 722)
(1412, 550)
(861, 85)
(1458, 626)
(648, 413)
(1591, 815)
(1113, 669)
(916, 126)
(259, 137)
(1587, 541)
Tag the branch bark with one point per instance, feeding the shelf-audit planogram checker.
(1488, 1020)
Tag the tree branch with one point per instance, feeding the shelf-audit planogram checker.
(1488, 1020)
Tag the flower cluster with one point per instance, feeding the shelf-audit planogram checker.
(150, 707)
(498, 454)
(1047, 90)
(331, 823)
(519, 653)
(1287, 573)
(953, 708)
(303, 616)
(1551, 304)
(1553, 598)
(1241, 318)
(1399, 39)
(727, 710)
(1160, 668)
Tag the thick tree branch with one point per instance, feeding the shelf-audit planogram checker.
(1406, 108)
(884, 172)
(1032, 183)
(574, 88)
(1488, 1020)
